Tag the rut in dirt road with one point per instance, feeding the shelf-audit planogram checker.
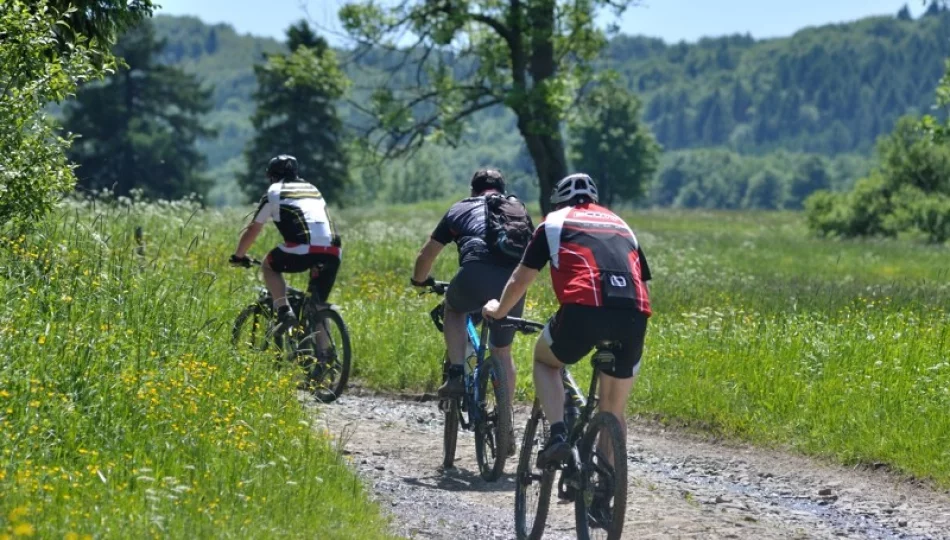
(680, 486)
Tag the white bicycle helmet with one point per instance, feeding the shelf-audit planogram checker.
(575, 185)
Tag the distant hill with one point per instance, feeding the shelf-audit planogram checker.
(827, 90)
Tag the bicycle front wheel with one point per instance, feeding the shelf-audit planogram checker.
(249, 331)
(325, 355)
(493, 433)
(533, 486)
(600, 507)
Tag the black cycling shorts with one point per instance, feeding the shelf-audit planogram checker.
(289, 263)
(473, 286)
(575, 329)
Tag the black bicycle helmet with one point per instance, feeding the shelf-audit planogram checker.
(485, 179)
(282, 168)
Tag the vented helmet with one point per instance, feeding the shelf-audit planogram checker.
(282, 167)
(572, 187)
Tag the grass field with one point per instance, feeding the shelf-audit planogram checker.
(124, 412)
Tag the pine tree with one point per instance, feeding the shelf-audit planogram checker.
(296, 115)
(139, 128)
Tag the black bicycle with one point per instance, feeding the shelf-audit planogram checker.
(484, 408)
(319, 344)
(596, 476)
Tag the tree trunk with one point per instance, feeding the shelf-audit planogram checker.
(550, 163)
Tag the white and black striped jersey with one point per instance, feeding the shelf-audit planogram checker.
(300, 213)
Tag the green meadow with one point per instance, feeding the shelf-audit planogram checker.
(124, 412)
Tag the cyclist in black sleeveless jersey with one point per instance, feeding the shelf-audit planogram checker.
(481, 276)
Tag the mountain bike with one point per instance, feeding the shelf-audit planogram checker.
(484, 408)
(319, 343)
(595, 478)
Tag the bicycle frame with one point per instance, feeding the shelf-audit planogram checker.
(472, 398)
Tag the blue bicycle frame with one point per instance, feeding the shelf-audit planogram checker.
(472, 393)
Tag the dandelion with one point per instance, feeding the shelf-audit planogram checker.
(23, 529)
(18, 513)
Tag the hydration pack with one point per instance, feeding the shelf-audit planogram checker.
(508, 227)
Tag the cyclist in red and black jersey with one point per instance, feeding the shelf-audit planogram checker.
(599, 275)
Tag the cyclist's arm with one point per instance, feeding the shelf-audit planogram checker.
(426, 259)
(247, 238)
(535, 257)
(253, 229)
(517, 286)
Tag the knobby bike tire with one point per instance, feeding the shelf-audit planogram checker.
(450, 432)
(255, 319)
(603, 423)
(324, 390)
(529, 476)
(493, 433)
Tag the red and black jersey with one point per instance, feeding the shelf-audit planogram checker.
(595, 258)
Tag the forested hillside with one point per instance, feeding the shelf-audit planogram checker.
(830, 91)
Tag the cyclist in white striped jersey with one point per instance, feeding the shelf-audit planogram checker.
(300, 213)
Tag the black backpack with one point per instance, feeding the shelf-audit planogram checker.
(508, 226)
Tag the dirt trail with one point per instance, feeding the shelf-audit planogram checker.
(680, 485)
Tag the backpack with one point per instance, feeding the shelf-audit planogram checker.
(508, 226)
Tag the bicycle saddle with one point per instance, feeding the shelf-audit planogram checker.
(604, 358)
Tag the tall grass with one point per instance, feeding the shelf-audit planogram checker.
(124, 412)
(761, 332)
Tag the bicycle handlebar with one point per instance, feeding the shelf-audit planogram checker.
(521, 325)
(435, 287)
(249, 262)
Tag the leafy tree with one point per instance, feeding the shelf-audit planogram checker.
(765, 191)
(296, 114)
(908, 194)
(100, 21)
(139, 128)
(812, 175)
(422, 178)
(612, 144)
(34, 171)
(528, 55)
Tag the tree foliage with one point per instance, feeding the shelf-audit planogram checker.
(907, 194)
(33, 72)
(138, 129)
(830, 90)
(528, 55)
(612, 144)
(296, 114)
(98, 21)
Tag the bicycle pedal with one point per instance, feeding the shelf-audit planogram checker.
(565, 492)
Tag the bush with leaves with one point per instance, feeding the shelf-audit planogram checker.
(908, 195)
(34, 171)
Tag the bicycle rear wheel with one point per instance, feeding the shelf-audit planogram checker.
(601, 505)
(493, 432)
(249, 331)
(325, 355)
(532, 485)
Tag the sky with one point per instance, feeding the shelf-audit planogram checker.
(672, 20)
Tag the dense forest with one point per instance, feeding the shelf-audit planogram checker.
(758, 107)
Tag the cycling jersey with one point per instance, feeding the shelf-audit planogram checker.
(300, 213)
(465, 224)
(595, 258)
